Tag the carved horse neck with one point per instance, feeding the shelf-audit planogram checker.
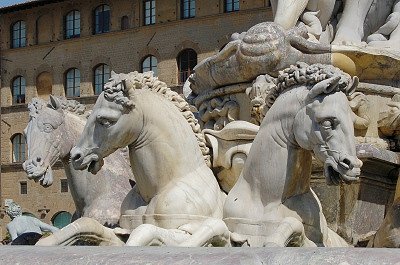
(76, 179)
(287, 166)
(165, 149)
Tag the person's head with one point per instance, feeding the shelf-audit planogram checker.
(14, 210)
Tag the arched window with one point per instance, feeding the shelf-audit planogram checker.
(232, 5)
(18, 147)
(18, 34)
(61, 219)
(102, 19)
(188, 8)
(101, 76)
(187, 60)
(73, 83)
(73, 24)
(124, 23)
(18, 90)
(150, 64)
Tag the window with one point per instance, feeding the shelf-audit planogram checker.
(124, 23)
(18, 147)
(101, 76)
(231, 5)
(18, 34)
(18, 90)
(102, 19)
(186, 60)
(64, 185)
(188, 8)
(23, 187)
(73, 24)
(73, 83)
(150, 64)
(149, 12)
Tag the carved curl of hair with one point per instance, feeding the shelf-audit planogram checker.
(304, 74)
(14, 210)
(69, 105)
(119, 89)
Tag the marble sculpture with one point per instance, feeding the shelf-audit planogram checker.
(53, 129)
(211, 178)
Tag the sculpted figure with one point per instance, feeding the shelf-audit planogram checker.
(314, 13)
(53, 129)
(272, 200)
(178, 201)
(388, 35)
(25, 230)
(266, 48)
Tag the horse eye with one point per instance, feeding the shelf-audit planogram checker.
(327, 123)
(48, 127)
(106, 122)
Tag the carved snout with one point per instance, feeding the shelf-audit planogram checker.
(81, 160)
(77, 156)
(346, 169)
(34, 167)
(351, 165)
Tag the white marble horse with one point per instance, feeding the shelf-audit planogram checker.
(52, 131)
(178, 199)
(272, 200)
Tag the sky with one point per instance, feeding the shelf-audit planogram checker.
(10, 2)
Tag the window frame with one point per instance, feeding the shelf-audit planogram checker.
(152, 12)
(229, 6)
(21, 37)
(75, 27)
(190, 62)
(18, 148)
(191, 6)
(151, 66)
(25, 190)
(21, 87)
(64, 188)
(104, 80)
(76, 78)
(96, 23)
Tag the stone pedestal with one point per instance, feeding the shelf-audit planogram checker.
(356, 210)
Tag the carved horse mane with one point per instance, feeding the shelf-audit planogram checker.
(70, 105)
(136, 80)
(309, 75)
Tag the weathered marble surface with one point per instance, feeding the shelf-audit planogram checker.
(194, 256)
(168, 158)
(20, 224)
(310, 115)
(53, 129)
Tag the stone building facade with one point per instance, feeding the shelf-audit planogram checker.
(67, 48)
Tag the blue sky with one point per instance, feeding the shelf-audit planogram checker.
(10, 2)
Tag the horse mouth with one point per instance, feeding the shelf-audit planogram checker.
(43, 175)
(340, 172)
(95, 166)
(92, 163)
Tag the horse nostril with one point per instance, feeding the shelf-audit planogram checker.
(346, 163)
(38, 159)
(76, 156)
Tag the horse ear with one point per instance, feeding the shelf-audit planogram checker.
(54, 103)
(353, 86)
(113, 73)
(324, 87)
